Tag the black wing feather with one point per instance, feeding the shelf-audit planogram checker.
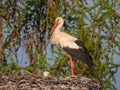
(81, 53)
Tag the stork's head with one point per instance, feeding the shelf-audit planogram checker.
(57, 25)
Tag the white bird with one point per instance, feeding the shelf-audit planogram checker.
(71, 45)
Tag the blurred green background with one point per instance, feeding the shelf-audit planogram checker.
(24, 36)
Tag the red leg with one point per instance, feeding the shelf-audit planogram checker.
(72, 66)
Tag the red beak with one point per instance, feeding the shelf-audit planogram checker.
(53, 28)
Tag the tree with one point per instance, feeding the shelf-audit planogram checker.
(26, 25)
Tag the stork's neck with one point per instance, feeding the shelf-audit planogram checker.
(57, 30)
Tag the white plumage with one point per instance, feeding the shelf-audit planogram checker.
(64, 40)
(71, 45)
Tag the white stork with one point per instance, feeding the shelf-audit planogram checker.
(71, 45)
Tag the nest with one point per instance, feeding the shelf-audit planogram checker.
(48, 83)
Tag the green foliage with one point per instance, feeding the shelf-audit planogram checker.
(26, 24)
(10, 68)
(40, 62)
(60, 64)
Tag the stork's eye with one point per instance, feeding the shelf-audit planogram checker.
(58, 20)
